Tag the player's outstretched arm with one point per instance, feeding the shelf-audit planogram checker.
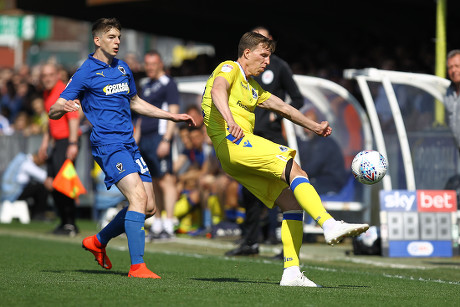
(62, 106)
(274, 103)
(142, 107)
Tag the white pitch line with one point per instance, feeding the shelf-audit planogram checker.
(373, 262)
(423, 279)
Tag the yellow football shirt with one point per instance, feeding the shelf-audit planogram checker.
(254, 162)
(244, 96)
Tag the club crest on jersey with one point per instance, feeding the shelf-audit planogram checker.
(122, 70)
(119, 167)
(283, 148)
(110, 89)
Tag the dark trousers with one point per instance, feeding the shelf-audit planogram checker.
(251, 225)
(38, 193)
(254, 225)
(65, 206)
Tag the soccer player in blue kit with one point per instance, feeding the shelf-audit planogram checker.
(104, 87)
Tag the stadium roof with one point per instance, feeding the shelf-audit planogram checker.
(334, 23)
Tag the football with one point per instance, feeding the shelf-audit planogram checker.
(369, 166)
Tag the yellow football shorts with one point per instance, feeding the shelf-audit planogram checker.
(257, 164)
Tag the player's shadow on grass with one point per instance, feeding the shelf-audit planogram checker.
(348, 287)
(224, 279)
(106, 272)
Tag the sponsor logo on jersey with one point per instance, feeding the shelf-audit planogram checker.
(116, 88)
(226, 68)
(254, 94)
(247, 144)
(100, 73)
(242, 105)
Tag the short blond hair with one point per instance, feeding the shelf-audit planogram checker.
(250, 40)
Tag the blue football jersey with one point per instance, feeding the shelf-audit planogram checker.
(105, 92)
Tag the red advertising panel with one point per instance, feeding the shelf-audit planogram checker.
(436, 201)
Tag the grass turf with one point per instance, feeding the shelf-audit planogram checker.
(39, 269)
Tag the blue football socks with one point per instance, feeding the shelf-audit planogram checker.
(134, 228)
(115, 228)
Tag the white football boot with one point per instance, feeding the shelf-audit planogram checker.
(300, 281)
(342, 229)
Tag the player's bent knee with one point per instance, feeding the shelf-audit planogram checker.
(149, 212)
(150, 208)
(297, 171)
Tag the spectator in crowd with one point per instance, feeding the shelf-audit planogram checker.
(182, 162)
(21, 123)
(196, 156)
(321, 158)
(195, 112)
(61, 140)
(39, 118)
(277, 79)
(204, 187)
(452, 97)
(12, 101)
(156, 136)
(24, 179)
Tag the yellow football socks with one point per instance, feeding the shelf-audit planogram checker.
(291, 236)
(309, 199)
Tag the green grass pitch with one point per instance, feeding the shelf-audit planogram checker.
(39, 269)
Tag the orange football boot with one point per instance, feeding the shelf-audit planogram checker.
(140, 271)
(93, 245)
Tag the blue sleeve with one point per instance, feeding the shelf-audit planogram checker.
(76, 86)
(132, 85)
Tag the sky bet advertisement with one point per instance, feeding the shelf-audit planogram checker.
(420, 223)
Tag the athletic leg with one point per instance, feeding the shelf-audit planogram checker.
(309, 200)
(291, 237)
(141, 203)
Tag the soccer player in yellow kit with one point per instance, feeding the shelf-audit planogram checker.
(265, 168)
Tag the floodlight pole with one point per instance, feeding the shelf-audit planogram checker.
(440, 65)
